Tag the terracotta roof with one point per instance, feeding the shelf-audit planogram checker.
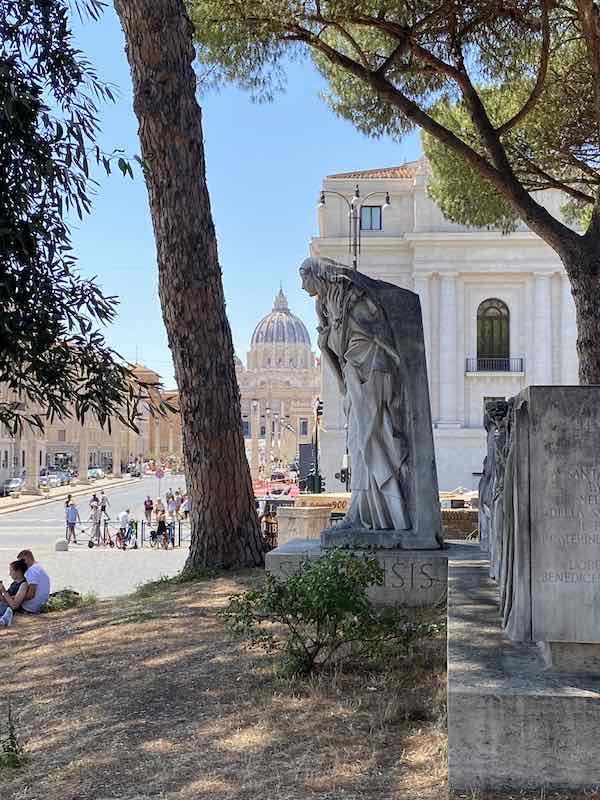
(403, 171)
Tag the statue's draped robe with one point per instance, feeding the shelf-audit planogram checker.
(374, 407)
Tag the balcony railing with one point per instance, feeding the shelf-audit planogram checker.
(484, 364)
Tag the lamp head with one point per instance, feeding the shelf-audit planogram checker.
(387, 203)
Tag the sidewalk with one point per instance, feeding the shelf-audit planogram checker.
(10, 504)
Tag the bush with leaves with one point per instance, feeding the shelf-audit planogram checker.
(327, 615)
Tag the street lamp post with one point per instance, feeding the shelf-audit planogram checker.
(354, 213)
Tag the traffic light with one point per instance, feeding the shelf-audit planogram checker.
(319, 408)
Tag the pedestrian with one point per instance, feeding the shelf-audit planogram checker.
(178, 502)
(104, 504)
(169, 495)
(158, 507)
(68, 501)
(72, 515)
(161, 528)
(94, 500)
(185, 506)
(96, 520)
(123, 518)
(171, 508)
(148, 508)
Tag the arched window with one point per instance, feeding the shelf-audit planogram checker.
(493, 332)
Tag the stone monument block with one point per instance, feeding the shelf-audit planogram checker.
(413, 578)
(549, 551)
(304, 522)
(512, 723)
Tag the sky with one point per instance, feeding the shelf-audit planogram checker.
(265, 165)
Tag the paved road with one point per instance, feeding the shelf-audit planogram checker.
(105, 572)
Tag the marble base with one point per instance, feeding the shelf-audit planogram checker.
(362, 539)
(305, 522)
(413, 578)
(570, 657)
(512, 722)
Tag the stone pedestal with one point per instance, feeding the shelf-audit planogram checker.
(363, 539)
(413, 578)
(337, 501)
(512, 722)
(301, 523)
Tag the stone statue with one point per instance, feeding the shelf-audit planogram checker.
(371, 335)
(500, 414)
(486, 486)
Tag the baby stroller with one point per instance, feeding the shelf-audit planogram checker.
(98, 537)
(128, 540)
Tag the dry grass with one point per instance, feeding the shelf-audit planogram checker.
(149, 698)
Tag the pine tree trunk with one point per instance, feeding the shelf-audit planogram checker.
(583, 269)
(225, 530)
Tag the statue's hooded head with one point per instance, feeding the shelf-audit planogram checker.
(317, 275)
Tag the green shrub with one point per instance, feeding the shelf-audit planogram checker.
(68, 598)
(326, 613)
(12, 751)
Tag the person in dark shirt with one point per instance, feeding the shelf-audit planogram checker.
(11, 598)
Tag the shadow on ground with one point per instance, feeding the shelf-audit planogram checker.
(150, 698)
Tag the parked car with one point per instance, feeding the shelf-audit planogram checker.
(50, 480)
(12, 485)
(63, 476)
(94, 473)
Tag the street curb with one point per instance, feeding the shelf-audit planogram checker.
(89, 489)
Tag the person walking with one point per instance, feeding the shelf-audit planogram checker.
(148, 508)
(161, 528)
(104, 504)
(96, 520)
(171, 508)
(123, 518)
(178, 502)
(185, 507)
(72, 518)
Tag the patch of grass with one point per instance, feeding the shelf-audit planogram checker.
(68, 598)
(149, 588)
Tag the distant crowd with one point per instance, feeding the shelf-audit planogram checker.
(176, 507)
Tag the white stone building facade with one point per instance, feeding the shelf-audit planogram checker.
(497, 308)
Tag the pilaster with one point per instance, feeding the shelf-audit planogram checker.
(542, 328)
(448, 351)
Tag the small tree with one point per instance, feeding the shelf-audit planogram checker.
(510, 90)
(53, 359)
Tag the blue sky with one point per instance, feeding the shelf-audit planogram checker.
(265, 164)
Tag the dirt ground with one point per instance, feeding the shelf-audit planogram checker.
(150, 698)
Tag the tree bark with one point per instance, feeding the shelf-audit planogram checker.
(583, 269)
(225, 530)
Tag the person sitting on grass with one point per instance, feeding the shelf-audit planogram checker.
(11, 598)
(38, 584)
